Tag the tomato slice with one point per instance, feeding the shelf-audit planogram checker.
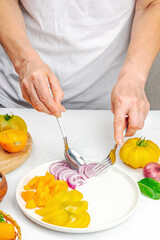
(75, 196)
(59, 217)
(18, 123)
(12, 122)
(78, 221)
(60, 197)
(46, 210)
(76, 207)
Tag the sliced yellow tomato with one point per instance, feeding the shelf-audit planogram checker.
(12, 122)
(59, 217)
(46, 210)
(76, 207)
(60, 197)
(78, 221)
(75, 196)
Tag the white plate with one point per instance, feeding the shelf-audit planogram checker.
(112, 197)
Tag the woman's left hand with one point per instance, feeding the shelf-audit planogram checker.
(128, 98)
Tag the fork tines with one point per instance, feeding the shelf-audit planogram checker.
(101, 167)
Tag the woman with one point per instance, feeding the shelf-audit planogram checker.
(82, 48)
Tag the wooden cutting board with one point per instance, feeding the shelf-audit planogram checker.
(11, 161)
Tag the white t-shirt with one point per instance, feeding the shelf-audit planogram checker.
(84, 43)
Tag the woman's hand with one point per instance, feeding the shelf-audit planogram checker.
(128, 98)
(34, 86)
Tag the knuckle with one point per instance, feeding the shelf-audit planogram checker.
(44, 97)
(38, 106)
(52, 111)
(134, 101)
(35, 75)
(120, 100)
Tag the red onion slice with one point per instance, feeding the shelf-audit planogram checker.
(56, 166)
(89, 170)
(62, 171)
(82, 170)
(63, 175)
(75, 180)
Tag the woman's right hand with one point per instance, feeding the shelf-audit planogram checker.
(33, 77)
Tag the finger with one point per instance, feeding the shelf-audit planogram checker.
(141, 119)
(134, 121)
(62, 108)
(112, 107)
(26, 96)
(24, 93)
(119, 124)
(56, 89)
(43, 93)
(31, 96)
(144, 108)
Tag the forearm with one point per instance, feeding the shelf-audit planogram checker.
(13, 36)
(145, 40)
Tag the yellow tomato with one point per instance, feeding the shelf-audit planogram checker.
(75, 196)
(13, 140)
(60, 197)
(78, 221)
(12, 122)
(59, 217)
(47, 210)
(76, 207)
(137, 152)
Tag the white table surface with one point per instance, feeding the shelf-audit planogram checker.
(91, 134)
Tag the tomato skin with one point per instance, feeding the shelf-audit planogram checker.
(138, 156)
(13, 140)
(12, 122)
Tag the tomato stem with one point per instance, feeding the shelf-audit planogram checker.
(142, 142)
(2, 218)
(7, 117)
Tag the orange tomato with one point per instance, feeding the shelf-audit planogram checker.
(7, 231)
(27, 195)
(13, 140)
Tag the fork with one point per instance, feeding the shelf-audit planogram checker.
(108, 161)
